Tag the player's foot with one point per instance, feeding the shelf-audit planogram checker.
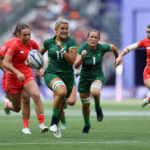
(63, 126)
(86, 129)
(26, 131)
(53, 128)
(57, 134)
(43, 128)
(99, 113)
(6, 110)
(145, 102)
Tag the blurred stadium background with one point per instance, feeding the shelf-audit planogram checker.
(121, 22)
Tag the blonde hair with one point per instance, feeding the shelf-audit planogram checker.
(61, 21)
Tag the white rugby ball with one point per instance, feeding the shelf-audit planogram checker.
(35, 58)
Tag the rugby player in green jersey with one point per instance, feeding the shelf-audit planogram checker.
(90, 56)
(62, 51)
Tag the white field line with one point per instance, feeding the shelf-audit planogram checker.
(67, 143)
(79, 113)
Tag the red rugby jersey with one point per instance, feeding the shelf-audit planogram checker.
(146, 44)
(19, 53)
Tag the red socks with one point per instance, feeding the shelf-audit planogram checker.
(40, 118)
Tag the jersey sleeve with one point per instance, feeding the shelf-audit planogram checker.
(141, 43)
(12, 50)
(106, 47)
(72, 43)
(80, 49)
(3, 50)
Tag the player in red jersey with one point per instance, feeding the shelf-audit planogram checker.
(25, 98)
(146, 74)
(20, 77)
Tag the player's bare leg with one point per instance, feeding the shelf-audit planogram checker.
(73, 96)
(25, 98)
(95, 91)
(70, 101)
(85, 99)
(14, 103)
(60, 92)
(32, 89)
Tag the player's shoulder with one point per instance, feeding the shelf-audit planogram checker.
(84, 46)
(8, 43)
(15, 42)
(103, 44)
(145, 40)
(49, 40)
(69, 38)
(32, 42)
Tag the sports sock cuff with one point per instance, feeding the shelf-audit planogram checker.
(87, 121)
(40, 118)
(56, 113)
(25, 123)
(97, 106)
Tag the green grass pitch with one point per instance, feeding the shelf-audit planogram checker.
(126, 126)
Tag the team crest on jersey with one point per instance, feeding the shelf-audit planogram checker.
(21, 52)
(148, 47)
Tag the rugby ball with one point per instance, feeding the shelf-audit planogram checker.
(35, 58)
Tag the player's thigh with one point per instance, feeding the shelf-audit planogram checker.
(84, 95)
(32, 89)
(96, 87)
(73, 96)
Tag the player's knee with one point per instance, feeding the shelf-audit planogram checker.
(86, 105)
(62, 93)
(25, 100)
(36, 97)
(17, 109)
(94, 92)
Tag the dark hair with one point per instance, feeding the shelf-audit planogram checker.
(93, 31)
(148, 26)
(19, 27)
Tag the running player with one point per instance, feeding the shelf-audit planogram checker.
(20, 77)
(90, 56)
(146, 74)
(25, 98)
(59, 74)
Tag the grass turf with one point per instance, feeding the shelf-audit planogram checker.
(115, 132)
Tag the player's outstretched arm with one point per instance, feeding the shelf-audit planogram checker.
(124, 52)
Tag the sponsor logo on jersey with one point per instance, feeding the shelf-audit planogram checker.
(21, 52)
(31, 78)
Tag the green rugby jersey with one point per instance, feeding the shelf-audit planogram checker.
(57, 62)
(92, 63)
